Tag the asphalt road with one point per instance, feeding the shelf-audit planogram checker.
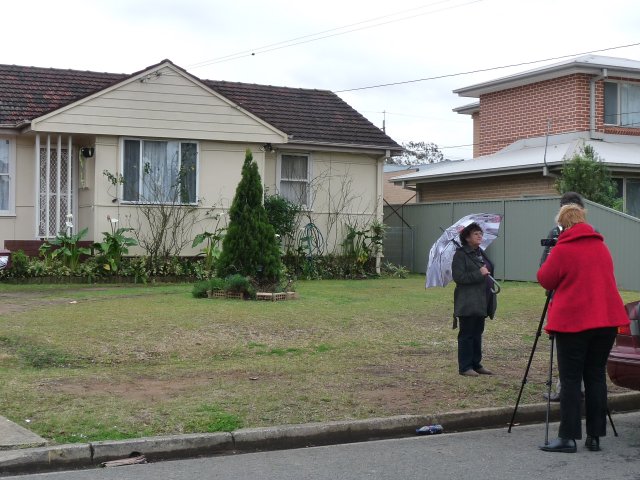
(478, 455)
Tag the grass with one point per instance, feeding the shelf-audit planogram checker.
(108, 362)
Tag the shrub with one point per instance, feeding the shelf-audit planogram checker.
(19, 264)
(199, 290)
(282, 215)
(216, 284)
(392, 270)
(237, 283)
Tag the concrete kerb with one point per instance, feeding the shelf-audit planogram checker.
(279, 437)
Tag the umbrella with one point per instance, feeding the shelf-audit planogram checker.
(441, 253)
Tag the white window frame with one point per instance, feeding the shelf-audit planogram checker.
(306, 204)
(619, 113)
(140, 178)
(10, 211)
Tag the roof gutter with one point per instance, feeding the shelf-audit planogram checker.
(592, 108)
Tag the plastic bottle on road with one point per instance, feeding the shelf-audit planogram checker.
(429, 430)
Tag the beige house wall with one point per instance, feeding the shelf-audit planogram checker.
(349, 183)
(346, 183)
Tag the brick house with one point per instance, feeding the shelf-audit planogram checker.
(526, 125)
(395, 194)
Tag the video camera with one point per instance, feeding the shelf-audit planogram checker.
(548, 242)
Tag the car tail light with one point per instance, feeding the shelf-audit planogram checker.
(625, 330)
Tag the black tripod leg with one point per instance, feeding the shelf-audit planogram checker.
(533, 350)
(613, 427)
(549, 382)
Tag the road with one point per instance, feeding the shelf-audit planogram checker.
(478, 455)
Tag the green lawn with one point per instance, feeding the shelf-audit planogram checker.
(82, 363)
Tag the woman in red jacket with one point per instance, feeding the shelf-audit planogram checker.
(584, 314)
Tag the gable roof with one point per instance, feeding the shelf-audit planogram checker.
(305, 115)
(29, 92)
(589, 64)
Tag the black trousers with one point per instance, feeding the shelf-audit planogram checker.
(470, 343)
(583, 356)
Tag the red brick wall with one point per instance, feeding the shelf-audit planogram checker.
(523, 112)
(487, 188)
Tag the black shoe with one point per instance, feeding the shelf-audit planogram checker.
(564, 445)
(592, 443)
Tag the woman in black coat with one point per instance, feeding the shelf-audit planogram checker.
(473, 299)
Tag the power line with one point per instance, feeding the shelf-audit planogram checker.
(484, 69)
(321, 35)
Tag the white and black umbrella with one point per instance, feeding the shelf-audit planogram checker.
(441, 253)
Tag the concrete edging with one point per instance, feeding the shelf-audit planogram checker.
(279, 437)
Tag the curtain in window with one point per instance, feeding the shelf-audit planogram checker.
(294, 171)
(294, 167)
(4, 175)
(630, 105)
(160, 171)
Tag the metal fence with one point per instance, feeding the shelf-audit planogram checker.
(516, 252)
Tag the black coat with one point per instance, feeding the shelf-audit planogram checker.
(473, 296)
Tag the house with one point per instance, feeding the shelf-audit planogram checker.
(396, 194)
(526, 125)
(93, 145)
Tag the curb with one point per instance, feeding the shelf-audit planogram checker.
(87, 455)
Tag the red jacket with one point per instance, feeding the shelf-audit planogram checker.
(579, 270)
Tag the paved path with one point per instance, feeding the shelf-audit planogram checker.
(13, 435)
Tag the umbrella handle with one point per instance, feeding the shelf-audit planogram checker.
(496, 286)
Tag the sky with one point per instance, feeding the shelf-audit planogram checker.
(426, 48)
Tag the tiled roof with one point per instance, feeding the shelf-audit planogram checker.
(29, 92)
(305, 115)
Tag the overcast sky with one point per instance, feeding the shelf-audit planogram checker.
(336, 45)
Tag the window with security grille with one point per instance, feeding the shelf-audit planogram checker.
(160, 171)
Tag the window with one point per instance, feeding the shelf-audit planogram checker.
(294, 178)
(633, 197)
(6, 177)
(160, 171)
(622, 104)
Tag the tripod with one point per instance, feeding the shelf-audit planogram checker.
(549, 378)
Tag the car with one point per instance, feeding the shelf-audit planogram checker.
(623, 366)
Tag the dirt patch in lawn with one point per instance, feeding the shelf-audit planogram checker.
(149, 389)
(18, 302)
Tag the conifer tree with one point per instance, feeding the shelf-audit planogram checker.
(587, 174)
(250, 246)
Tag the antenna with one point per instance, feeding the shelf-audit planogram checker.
(545, 168)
